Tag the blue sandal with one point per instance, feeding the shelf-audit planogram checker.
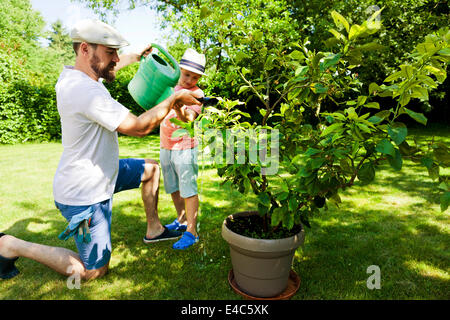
(186, 241)
(175, 225)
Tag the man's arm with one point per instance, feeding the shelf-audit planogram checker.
(149, 120)
(129, 58)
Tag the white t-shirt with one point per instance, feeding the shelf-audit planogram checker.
(89, 165)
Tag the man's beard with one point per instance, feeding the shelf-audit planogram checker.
(106, 73)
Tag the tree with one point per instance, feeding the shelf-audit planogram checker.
(27, 76)
(61, 42)
(326, 152)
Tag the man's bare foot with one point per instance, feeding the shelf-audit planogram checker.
(6, 249)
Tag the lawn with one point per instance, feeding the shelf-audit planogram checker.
(394, 223)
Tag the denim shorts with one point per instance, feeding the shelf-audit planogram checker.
(180, 171)
(97, 253)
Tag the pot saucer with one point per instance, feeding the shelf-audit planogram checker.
(292, 287)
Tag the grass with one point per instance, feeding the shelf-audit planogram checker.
(394, 223)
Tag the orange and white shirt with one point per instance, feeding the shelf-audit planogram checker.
(167, 128)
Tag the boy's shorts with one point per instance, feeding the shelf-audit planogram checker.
(180, 171)
(97, 253)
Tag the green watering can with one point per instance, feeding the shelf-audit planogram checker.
(155, 79)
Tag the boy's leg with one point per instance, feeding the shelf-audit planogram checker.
(62, 260)
(191, 214)
(187, 170)
(171, 186)
(179, 203)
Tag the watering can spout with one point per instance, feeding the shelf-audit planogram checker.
(155, 79)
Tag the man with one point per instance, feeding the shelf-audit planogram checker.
(89, 171)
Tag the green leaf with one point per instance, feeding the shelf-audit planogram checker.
(443, 186)
(292, 204)
(363, 127)
(419, 117)
(420, 93)
(178, 122)
(351, 113)
(277, 216)
(337, 35)
(433, 172)
(373, 87)
(373, 105)
(204, 12)
(297, 55)
(366, 174)
(340, 21)
(445, 200)
(441, 153)
(319, 88)
(180, 133)
(407, 71)
(312, 151)
(329, 61)
(427, 162)
(301, 71)
(393, 76)
(397, 132)
(361, 100)
(263, 198)
(437, 72)
(371, 46)
(385, 147)
(332, 128)
(282, 196)
(258, 35)
(243, 89)
(355, 31)
(375, 119)
(444, 52)
(396, 161)
(317, 163)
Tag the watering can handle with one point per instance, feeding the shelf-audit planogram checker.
(171, 59)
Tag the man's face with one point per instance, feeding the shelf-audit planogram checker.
(102, 61)
(188, 79)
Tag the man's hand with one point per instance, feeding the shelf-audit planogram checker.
(129, 58)
(146, 51)
(185, 97)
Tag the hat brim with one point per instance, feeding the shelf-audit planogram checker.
(192, 70)
(113, 46)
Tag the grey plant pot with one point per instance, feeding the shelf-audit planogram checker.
(261, 267)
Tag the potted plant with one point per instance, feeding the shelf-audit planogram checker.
(308, 148)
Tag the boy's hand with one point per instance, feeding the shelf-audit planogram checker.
(185, 97)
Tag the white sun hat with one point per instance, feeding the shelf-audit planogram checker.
(193, 61)
(96, 31)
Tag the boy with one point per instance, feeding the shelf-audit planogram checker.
(178, 156)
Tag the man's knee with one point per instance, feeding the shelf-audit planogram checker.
(151, 169)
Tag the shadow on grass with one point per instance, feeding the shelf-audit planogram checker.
(411, 252)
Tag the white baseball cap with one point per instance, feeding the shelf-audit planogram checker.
(193, 61)
(96, 31)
